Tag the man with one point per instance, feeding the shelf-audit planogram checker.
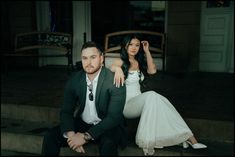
(92, 109)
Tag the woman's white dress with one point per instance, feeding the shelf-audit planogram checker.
(160, 124)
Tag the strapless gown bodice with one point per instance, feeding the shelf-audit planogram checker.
(132, 84)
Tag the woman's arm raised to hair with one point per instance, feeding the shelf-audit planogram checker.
(119, 75)
(152, 68)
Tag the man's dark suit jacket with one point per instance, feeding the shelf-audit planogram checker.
(109, 102)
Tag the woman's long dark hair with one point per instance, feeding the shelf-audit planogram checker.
(139, 56)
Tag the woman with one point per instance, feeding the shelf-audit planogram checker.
(160, 124)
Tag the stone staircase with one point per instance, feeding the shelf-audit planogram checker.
(23, 126)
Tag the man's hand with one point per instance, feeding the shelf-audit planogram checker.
(70, 133)
(80, 149)
(76, 142)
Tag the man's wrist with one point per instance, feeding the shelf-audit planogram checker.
(87, 137)
(68, 134)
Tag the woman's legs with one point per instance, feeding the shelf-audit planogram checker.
(134, 106)
(194, 144)
(193, 140)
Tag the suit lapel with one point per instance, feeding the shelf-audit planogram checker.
(83, 90)
(99, 88)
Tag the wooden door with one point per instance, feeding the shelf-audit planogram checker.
(215, 37)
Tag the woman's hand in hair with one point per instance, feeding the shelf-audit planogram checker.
(145, 44)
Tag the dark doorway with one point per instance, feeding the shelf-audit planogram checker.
(108, 16)
(111, 16)
(61, 16)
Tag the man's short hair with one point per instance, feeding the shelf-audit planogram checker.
(90, 44)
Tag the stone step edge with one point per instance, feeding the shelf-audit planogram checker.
(32, 144)
(28, 112)
(202, 128)
(50, 114)
(23, 144)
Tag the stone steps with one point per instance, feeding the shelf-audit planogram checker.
(30, 113)
(24, 138)
(22, 129)
(202, 128)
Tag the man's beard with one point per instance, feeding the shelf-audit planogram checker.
(93, 70)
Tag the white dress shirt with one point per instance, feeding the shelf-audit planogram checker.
(89, 114)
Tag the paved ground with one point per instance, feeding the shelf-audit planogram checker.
(195, 95)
